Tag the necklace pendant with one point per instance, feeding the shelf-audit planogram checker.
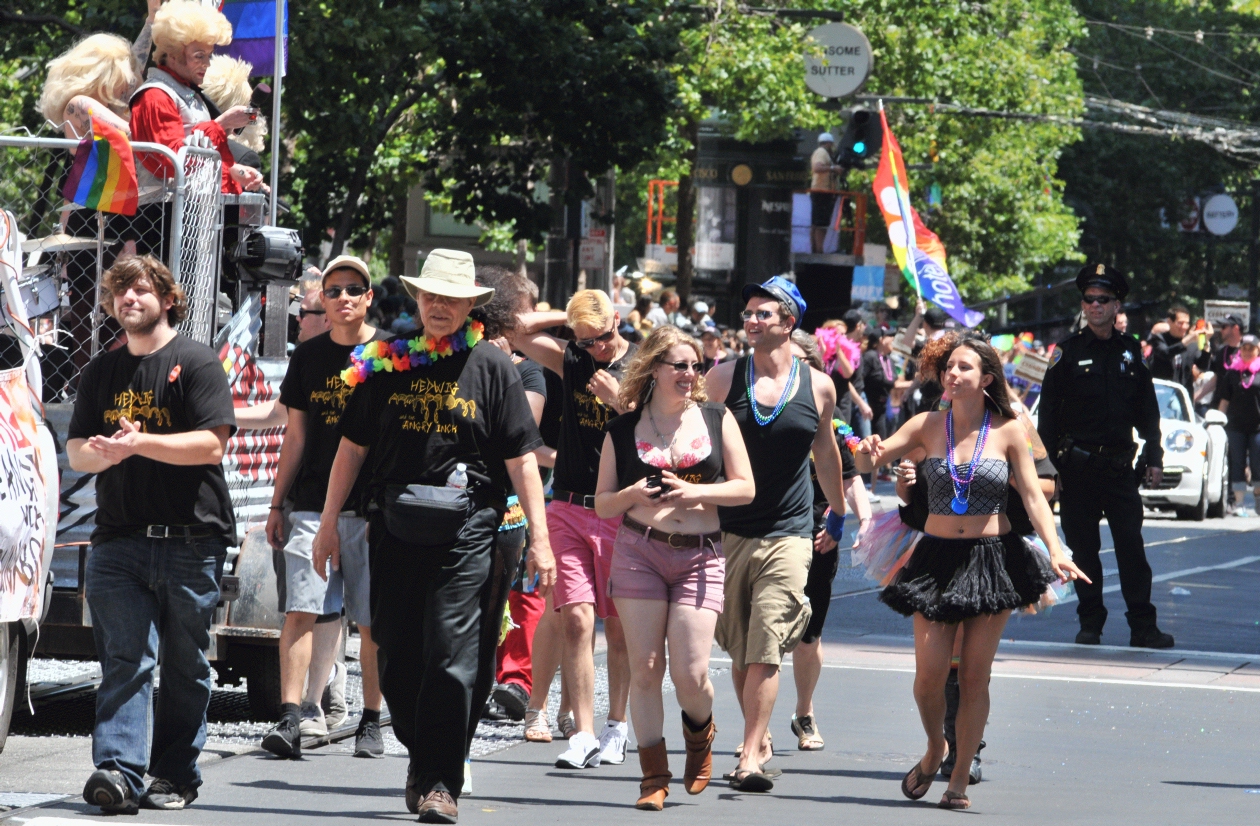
(958, 505)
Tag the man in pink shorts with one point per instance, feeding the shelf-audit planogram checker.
(591, 367)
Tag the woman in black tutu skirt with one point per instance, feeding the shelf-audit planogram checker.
(970, 567)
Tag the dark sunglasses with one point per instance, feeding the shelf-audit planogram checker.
(1098, 299)
(588, 343)
(354, 291)
(683, 366)
(761, 315)
(303, 313)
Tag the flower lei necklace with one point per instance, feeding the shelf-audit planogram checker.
(843, 430)
(404, 354)
(783, 399)
(962, 483)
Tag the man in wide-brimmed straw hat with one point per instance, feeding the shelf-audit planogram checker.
(443, 425)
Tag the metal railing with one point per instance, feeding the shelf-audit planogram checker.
(179, 221)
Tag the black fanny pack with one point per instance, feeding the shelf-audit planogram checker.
(426, 514)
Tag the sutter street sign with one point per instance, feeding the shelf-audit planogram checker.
(837, 61)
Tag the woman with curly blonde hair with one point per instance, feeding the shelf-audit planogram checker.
(665, 468)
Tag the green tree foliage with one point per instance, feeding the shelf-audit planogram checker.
(1003, 219)
(1128, 189)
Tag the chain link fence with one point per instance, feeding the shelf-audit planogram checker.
(66, 248)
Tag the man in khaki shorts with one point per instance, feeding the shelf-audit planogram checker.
(784, 409)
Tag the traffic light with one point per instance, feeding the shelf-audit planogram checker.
(861, 140)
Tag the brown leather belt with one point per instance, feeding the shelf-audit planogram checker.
(674, 540)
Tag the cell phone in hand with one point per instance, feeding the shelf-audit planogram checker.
(656, 482)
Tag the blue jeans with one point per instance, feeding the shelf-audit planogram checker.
(153, 599)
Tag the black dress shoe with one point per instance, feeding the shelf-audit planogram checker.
(1084, 637)
(1152, 638)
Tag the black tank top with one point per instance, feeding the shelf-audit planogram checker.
(630, 468)
(583, 420)
(779, 454)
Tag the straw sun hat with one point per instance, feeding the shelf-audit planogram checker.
(450, 273)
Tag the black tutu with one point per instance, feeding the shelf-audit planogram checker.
(950, 580)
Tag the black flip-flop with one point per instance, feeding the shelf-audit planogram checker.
(746, 780)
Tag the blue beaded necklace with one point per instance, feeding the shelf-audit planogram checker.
(962, 482)
(783, 399)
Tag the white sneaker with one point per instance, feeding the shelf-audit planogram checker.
(312, 724)
(467, 790)
(613, 741)
(583, 752)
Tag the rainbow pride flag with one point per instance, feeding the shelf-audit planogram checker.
(919, 252)
(103, 176)
(254, 34)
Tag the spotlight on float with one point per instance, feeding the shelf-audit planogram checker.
(268, 254)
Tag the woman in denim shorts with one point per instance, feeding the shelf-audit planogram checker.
(665, 468)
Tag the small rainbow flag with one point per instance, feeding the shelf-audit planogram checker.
(104, 173)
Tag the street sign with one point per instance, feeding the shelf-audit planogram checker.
(1220, 214)
(1215, 311)
(844, 63)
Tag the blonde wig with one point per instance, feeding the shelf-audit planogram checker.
(227, 84)
(590, 308)
(181, 22)
(99, 67)
(637, 384)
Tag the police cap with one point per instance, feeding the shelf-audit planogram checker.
(1101, 275)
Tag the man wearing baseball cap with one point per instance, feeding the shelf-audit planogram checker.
(1094, 396)
(822, 190)
(438, 422)
(1232, 329)
(314, 397)
(784, 409)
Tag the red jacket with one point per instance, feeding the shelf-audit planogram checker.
(155, 119)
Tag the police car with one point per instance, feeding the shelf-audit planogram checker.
(1196, 457)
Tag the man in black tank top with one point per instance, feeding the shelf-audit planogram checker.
(769, 543)
(591, 368)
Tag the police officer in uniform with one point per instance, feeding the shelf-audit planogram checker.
(1094, 395)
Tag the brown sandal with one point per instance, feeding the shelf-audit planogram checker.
(954, 800)
(917, 782)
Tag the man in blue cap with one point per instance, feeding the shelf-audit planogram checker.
(784, 409)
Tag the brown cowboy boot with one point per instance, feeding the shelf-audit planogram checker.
(655, 786)
(699, 768)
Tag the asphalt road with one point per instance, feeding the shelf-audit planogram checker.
(1077, 734)
(1206, 590)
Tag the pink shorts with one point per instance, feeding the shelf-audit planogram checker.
(583, 547)
(646, 568)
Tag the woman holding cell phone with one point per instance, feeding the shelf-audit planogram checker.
(970, 567)
(665, 468)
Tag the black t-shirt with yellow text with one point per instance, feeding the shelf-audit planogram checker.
(313, 385)
(180, 388)
(468, 407)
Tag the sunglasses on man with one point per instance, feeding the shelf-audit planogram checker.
(1098, 299)
(354, 291)
(588, 343)
(760, 315)
(303, 313)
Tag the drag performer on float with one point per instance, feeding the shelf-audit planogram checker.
(169, 106)
(970, 567)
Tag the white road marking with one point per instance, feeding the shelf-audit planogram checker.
(1045, 677)
(1246, 560)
